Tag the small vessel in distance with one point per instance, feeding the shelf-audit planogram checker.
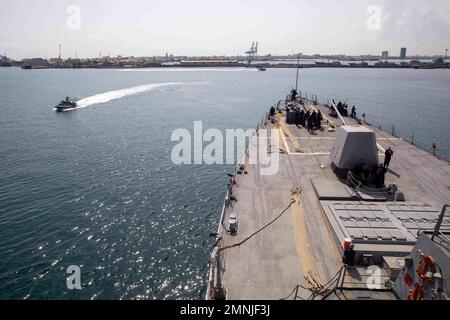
(262, 69)
(66, 105)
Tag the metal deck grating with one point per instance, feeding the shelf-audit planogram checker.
(391, 223)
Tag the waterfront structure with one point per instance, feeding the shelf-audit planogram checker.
(403, 53)
(210, 63)
(5, 61)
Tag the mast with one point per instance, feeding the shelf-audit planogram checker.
(298, 67)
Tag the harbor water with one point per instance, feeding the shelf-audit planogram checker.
(96, 187)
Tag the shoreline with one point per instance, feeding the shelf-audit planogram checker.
(266, 66)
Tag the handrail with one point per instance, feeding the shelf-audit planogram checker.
(214, 277)
(355, 182)
(356, 185)
(439, 223)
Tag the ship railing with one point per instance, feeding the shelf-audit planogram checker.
(410, 137)
(393, 129)
(352, 181)
(358, 186)
(348, 278)
(356, 278)
(215, 281)
(445, 241)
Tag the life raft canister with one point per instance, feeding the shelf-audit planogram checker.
(347, 243)
(408, 280)
(417, 293)
(426, 269)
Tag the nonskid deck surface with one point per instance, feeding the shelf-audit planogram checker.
(273, 262)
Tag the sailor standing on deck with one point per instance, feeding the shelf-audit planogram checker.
(272, 112)
(294, 95)
(380, 176)
(302, 118)
(312, 121)
(349, 256)
(319, 119)
(353, 115)
(387, 157)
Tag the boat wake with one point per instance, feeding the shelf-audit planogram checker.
(118, 94)
(175, 69)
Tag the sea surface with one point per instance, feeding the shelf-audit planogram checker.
(96, 187)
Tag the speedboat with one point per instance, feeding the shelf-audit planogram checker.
(261, 69)
(66, 105)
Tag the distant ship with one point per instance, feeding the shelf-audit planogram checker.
(262, 69)
(386, 64)
(328, 64)
(425, 66)
(361, 64)
(66, 105)
(5, 62)
(27, 67)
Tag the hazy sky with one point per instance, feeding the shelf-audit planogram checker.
(32, 28)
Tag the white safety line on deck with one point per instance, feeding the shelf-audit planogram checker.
(315, 138)
(310, 154)
(281, 133)
(381, 148)
(318, 154)
(330, 138)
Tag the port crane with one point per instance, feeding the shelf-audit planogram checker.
(252, 52)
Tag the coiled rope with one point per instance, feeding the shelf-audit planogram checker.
(294, 192)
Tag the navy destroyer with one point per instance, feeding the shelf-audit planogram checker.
(338, 220)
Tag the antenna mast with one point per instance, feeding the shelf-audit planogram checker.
(298, 67)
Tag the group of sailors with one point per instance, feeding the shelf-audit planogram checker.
(342, 107)
(272, 112)
(375, 175)
(294, 94)
(307, 119)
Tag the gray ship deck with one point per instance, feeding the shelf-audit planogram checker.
(272, 263)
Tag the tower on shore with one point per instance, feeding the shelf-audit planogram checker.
(403, 53)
